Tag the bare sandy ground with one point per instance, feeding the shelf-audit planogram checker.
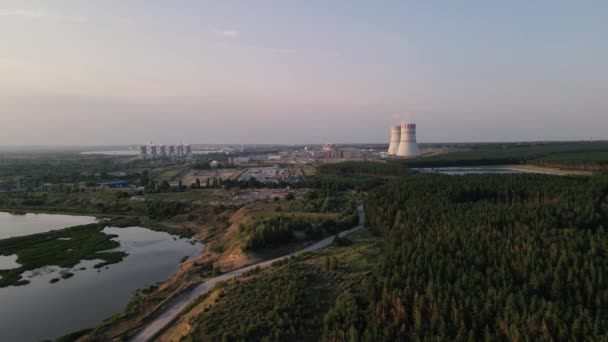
(546, 170)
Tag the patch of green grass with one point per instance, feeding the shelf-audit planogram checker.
(169, 174)
(64, 248)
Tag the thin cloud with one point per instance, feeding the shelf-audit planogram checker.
(23, 13)
(226, 33)
(282, 51)
(38, 14)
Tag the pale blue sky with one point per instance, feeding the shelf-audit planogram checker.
(118, 72)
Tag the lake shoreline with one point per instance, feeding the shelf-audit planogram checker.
(148, 257)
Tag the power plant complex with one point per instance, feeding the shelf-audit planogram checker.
(160, 151)
(403, 141)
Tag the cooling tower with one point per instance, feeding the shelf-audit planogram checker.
(407, 145)
(395, 138)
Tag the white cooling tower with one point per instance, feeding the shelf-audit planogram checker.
(407, 145)
(395, 138)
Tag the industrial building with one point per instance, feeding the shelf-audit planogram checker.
(330, 151)
(161, 151)
(403, 141)
(114, 184)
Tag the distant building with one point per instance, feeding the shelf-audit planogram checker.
(114, 184)
(329, 151)
(240, 160)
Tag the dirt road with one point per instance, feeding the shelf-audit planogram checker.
(171, 312)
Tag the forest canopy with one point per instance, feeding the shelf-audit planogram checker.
(490, 257)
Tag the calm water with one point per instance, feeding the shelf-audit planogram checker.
(468, 171)
(41, 310)
(19, 225)
(8, 262)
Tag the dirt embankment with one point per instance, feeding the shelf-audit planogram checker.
(219, 231)
(210, 228)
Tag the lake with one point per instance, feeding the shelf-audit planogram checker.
(41, 310)
(12, 225)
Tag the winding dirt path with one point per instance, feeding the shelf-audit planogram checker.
(170, 313)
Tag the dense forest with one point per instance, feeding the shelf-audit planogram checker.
(278, 230)
(485, 257)
(581, 156)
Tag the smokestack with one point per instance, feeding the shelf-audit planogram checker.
(395, 138)
(407, 145)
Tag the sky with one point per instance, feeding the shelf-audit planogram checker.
(76, 72)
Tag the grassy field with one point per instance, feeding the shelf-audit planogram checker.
(284, 302)
(169, 174)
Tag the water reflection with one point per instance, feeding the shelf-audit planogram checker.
(91, 295)
(12, 225)
(8, 262)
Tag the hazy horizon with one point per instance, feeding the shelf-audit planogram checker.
(290, 72)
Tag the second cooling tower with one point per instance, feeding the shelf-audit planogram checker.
(407, 143)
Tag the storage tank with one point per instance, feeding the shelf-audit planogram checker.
(407, 145)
